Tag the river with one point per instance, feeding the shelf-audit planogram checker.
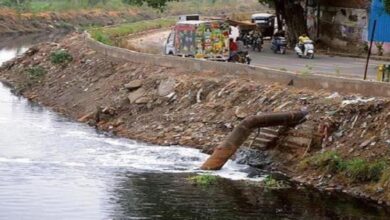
(54, 168)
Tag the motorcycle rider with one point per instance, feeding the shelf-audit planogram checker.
(302, 39)
(240, 45)
(258, 38)
(233, 49)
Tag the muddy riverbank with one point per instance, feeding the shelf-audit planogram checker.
(166, 106)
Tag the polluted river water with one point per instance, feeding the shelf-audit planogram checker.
(52, 167)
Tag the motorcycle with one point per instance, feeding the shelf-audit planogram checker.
(257, 43)
(279, 45)
(247, 39)
(241, 57)
(308, 49)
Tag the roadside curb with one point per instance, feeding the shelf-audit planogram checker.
(332, 54)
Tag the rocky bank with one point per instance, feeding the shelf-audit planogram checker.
(166, 106)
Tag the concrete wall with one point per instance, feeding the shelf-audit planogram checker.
(344, 26)
(188, 65)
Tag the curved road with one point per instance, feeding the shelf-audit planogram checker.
(321, 64)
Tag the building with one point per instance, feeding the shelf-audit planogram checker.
(340, 24)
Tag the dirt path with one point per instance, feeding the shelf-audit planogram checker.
(150, 42)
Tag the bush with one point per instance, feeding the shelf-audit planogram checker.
(60, 57)
(356, 169)
(361, 170)
(36, 72)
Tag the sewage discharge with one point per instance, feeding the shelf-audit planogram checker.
(226, 149)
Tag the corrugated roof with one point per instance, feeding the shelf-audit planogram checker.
(378, 13)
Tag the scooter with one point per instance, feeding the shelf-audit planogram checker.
(308, 48)
(279, 45)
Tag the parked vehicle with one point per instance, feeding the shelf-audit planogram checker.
(266, 22)
(305, 50)
(279, 45)
(199, 39)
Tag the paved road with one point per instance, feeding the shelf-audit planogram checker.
(321, 64)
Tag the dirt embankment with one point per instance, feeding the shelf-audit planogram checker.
(168, 107)
(14, 22)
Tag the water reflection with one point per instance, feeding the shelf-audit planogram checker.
(172, 196)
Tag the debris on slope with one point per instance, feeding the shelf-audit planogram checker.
(168, 107)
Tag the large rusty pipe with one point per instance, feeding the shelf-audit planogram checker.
(226, 149)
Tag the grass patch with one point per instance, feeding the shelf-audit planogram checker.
(357, 170)
(203, 180)
(361, 171)
(173, 7)
(35, 73)
(60, 57)
(100, 36)
(329, 161)
(272, 183)
(115, 35)
(385, 179)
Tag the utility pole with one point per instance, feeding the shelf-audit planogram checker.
(369, 49)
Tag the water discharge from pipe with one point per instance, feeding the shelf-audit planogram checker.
(226, 149)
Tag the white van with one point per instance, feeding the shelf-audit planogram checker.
(267, 23)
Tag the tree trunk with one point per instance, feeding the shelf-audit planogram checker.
(240, 133)
(293, 13)
(278, 11)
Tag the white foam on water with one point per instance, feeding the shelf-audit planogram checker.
(70, 144)
(15, 160)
